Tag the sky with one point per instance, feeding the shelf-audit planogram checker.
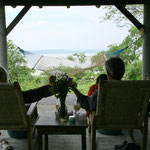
(75, 28)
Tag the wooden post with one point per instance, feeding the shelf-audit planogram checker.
(3, 39)
(146, 41)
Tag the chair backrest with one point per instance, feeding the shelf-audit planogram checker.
(122, 104)
(12, 109)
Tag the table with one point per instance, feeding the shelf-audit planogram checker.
(48, 124)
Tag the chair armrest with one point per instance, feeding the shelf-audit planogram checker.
(32, 109)
(33, 114)
(91, 119)
(91, 116)
(93, 113)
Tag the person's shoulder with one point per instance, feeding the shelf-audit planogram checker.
(94, 94)
(92, 86)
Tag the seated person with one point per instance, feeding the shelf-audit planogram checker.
(29, 96)
(94, 87)
(115, 70)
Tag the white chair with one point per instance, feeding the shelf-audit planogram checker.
(13, 114)
(122, 105)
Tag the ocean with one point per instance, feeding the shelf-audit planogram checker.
(63, 52)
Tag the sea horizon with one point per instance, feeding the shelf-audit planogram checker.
(63, 52)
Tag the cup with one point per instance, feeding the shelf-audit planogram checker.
(76, 107)
(57, 106)
(72, 119)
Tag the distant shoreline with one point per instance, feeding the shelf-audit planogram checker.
(64, 55)
(55, 53)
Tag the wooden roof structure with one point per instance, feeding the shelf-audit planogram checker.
(120, 4)
(69, 2)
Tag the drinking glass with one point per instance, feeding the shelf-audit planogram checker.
(76, 107)
(57, 105)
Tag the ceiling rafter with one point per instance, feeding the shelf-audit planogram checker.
(130, 16)
(17, 19)
(69, 2)
(40, 3)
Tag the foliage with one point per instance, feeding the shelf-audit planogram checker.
(77, 57)
(134, 43)
(71, 58)
(98, 59)
(80, 56)
(17, 69)
(79, 77)
(84, 86)
(132, 54)
(112, 13)
(35, 81)
(19, 72)
(133, 40)
(134, 71)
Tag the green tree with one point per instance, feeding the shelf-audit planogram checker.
(80, 57)
(98, 59)
(132, 54)
(134, 71)
(71, 58)
(112, 13)
(134, 43)
(19, 72)
(17, 69)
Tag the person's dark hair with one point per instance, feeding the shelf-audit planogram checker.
(115, 67)
(101, 77)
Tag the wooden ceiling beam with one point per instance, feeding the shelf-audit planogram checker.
(70, 2)
(17, 19)
(130, 16)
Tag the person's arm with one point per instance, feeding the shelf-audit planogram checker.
(77, 92)
(87, 102)
(81, 98)
(36, 94)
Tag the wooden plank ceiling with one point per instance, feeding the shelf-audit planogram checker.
(68, 2)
